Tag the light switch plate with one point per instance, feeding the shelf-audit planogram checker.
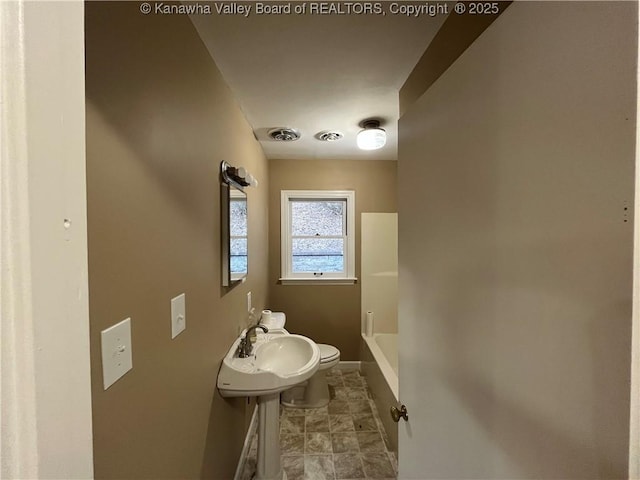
(117, 358)
(248, 301)
(178, 315)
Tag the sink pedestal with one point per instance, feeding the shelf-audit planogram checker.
(268, 461)
(278, 362)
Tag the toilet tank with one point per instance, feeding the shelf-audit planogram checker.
(274, 322)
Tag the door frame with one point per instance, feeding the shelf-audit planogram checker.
(46, 382)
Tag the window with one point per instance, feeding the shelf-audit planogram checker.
(318, 236)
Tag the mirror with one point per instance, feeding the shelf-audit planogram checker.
(238, 253)
(235, 258)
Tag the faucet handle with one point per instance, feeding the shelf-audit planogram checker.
(246, 342)
(242, 347)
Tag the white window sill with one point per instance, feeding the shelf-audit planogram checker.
(318, 281)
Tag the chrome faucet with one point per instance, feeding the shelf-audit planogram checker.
(246, 345)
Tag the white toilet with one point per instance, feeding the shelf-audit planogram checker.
(314, 393)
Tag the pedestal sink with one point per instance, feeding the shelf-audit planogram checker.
(277, 363)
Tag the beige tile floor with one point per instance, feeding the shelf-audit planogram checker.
(343, 441)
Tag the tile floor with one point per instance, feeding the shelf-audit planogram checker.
(344, 440)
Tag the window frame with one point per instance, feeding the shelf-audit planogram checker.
(287, 276)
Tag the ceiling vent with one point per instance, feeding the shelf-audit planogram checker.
(330, 136)
(284, 134)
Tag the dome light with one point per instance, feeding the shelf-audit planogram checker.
(372, 137)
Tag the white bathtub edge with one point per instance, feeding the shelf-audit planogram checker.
(384, 365)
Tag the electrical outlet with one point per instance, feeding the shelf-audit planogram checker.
(117, 357)
(248, 301)
(178, 315)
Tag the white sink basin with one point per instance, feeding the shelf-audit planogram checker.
(278, 362)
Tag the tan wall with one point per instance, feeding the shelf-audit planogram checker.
(326, 313)
(454, 36)
(159, 121)
(516, 282)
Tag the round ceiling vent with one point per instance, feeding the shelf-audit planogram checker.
(330, 136)
(284, 134)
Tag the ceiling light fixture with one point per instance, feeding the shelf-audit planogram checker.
(372, 137)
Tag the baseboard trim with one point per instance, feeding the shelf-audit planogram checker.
(348, 365)
(247, 444)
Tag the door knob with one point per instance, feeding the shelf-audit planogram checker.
(401, 413)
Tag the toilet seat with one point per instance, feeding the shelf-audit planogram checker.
(328, 353)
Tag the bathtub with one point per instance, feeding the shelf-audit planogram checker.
(379, 356)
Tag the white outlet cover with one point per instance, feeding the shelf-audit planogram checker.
(178, 315)
(117, 358)
(248, 301)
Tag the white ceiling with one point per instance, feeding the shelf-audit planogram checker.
(317, 73)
